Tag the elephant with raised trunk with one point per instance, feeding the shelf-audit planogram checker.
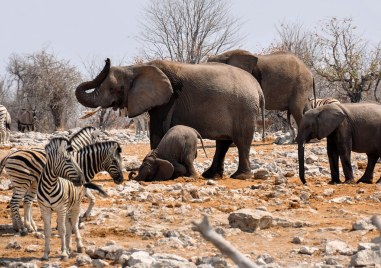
(348, 127)
(220, 101)
(285, 80)
(173, 157)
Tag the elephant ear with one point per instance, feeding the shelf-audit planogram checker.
(150, 88)
(245, 61)
(164, 170)
(328, 120)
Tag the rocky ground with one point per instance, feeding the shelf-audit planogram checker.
(273, 219)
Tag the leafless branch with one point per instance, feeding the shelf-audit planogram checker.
(224, 246)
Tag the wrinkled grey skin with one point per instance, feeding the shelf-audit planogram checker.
(285, 80)
(26, 120)
(220, 101)
(348, 127)
(173, 157)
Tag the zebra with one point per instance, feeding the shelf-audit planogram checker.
(25, 166)
(5, 125)
(60, 195)
(84, 136)
(321, 102)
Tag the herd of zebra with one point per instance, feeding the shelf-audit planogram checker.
(39, 172)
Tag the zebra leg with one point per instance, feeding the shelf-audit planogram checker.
(68, 232)
(61, 221)
(46, 216)
(15, 211)
(74, 223)
(28, 201)
(91, 198)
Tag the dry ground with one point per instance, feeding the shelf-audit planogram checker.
(326, 220)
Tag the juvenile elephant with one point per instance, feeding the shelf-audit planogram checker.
(173, 157)
(285, 80)
(348, 127)
(220, 101)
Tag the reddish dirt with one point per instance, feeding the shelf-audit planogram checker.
(276, 241)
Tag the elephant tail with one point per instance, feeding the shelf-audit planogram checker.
(202, 143)
(94, 186)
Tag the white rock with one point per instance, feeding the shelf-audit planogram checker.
(248, 220)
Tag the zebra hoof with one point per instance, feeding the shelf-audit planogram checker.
(64, 258)
(81, 249)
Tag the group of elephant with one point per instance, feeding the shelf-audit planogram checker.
(221, 99)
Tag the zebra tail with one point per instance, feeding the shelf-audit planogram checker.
(4, 162)
(94, 186)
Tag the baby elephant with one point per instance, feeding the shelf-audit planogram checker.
(173, 157)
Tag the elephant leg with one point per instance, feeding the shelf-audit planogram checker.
(333, 157)
(345, 149)
(179, 170)
(244, 170)
(368, 174)
(216, 170)
(191, 171)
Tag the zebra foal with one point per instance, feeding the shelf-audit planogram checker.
(60, 195)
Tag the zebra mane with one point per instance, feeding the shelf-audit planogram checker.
(101, 144)
(82, 130)
(56, 142)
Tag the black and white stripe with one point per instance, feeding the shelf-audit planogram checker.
(60, 195)
(83, 137)
(321, 102)
(5, 125)
(25, 166)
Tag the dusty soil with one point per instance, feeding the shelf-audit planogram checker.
(325, 220)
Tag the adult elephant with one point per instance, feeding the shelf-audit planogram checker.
(221, 102)
(348, 127)
(285, 80)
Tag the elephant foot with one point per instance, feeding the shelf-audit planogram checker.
(334, 182)
(212, 174)
(349, 181)
(365, 180)
(242, 175)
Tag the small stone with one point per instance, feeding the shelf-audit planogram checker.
(13, 245)
(297, 240)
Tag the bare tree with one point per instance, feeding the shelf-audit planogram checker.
(187, 30)
(344, 58)
(47, 84)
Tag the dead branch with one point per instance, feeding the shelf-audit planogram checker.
(224, 246)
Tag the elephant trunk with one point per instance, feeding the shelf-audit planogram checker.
(301, 161)
(135, 177)
(89, 99)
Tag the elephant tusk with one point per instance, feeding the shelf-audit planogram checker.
(123, 112)
(90, 113)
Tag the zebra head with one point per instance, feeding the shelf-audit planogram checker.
(113, 161)
(61, 162)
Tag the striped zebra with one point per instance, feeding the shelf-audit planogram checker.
(84, 136)
(25, 166)
(321, 102)
(5, 125)
(60, 195)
